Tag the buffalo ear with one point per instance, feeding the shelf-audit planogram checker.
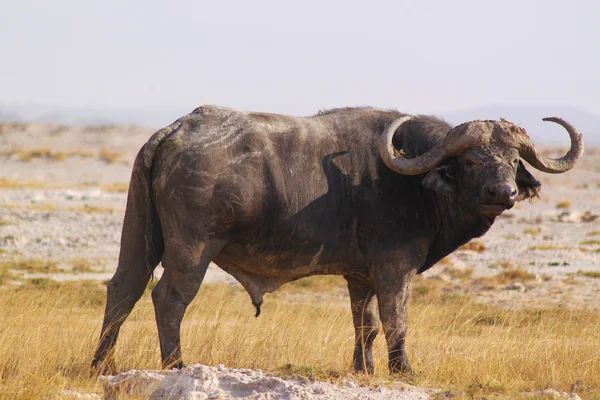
(528, 186)
(441, 179)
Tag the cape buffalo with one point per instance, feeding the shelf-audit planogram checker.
(376, 196)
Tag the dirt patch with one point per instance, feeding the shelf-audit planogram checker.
(203, 382)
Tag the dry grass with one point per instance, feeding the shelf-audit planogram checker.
(473, 245)
(96, 209)
(81, 266)
(41, 266)
(45, 153)
(12, 184)
(548, 247)
(590, 243)
(462, 274)
(532, 231)
(31, 266)
(116, 187)
(565, 204)
(511, 275)
(593, 233)
(111, 157)
(589, 274)
(50, 330)
(502, 264)
(445, 261)
(87, 208)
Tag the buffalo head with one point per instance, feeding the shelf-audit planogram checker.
(479, 160)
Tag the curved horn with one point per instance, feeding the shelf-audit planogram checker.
(553, 166)
(424, 162)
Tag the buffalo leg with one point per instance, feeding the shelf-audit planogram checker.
(365, 323)
(393, 292)
(123, 291)
(184, 271)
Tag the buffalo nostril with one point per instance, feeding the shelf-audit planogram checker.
(513, 194)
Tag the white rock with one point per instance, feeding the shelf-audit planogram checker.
(200, 382)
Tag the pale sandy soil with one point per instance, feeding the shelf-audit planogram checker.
(67, 213)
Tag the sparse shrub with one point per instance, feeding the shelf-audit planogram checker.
(474, 245)
(590, 243)
(31, 265)
(502, 265)
(458, 273)
(565, 204)
(82, 267)
(111, 157)
(558, 263)
(444, 261)
(533, 231)
(548, 247)
(514, 275)
(589, 274)
(116, 187)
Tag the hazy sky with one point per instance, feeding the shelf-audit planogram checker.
(297, 57)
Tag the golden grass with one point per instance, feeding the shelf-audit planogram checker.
(459, 273)
(473, 245)
(8, 268)
(109, 156)
(31, 265)
(27, 155)
(589, 274)
(590, 243)
(12, 184)
(50, 330)
(51, 207)
(548, 247)
(533, 231)
(46, 153)
(509, 274)
(517, 274)
(95, 209)
(566, 204)
(116, 187)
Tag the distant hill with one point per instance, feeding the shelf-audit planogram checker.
(530, 118)
(150, 118)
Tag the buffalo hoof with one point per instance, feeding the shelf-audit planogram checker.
(361, 369)
(401, 367)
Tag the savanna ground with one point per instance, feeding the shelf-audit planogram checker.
(511, 314)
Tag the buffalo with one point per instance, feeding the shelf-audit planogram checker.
(376, 196)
